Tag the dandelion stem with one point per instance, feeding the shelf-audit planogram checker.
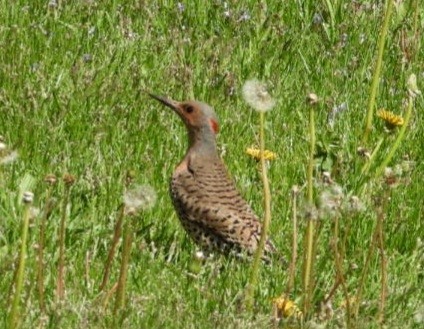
(308, 263)
(116, 235)
(108, 296)
(416, 29)
(383, 264)
(398, 140)
(292, 267)
(338, 259)
(14, 314)
(375, 240)
(367, 165)
(267, 219)
(362, 279)
(123, 273)
(48, 208)
(377, 72)
(60, 287)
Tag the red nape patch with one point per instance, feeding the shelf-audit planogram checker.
(214, 126)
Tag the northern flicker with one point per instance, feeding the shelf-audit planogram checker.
(206, 200)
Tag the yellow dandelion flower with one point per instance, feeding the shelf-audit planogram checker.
(391, 120)
(256, 154)
(286, 308)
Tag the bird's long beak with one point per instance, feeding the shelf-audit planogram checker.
(168, 102)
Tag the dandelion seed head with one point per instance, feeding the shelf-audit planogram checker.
(256, 95)
(335, 111)
(327, 201)
(3, 146)
(398, 170)
(390, 177)
(407, 165)
(28, 197)
(337, 191)
(354, 205)
(388, 171)
(310, 212)
(50, 179)
(330, 200)
(295, 189)
(140, 197)
(312, 98)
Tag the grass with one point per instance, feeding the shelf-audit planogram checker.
(72, 101)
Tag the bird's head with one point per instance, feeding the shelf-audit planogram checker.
(197, 116)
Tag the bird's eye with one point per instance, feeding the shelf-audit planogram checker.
(189, 109)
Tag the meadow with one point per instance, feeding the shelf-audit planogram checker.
(78, 131)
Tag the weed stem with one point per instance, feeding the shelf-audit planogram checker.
(267, 219)
(14, 314)
(309, 240)
(377, 72)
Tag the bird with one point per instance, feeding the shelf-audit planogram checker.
(205, 198)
